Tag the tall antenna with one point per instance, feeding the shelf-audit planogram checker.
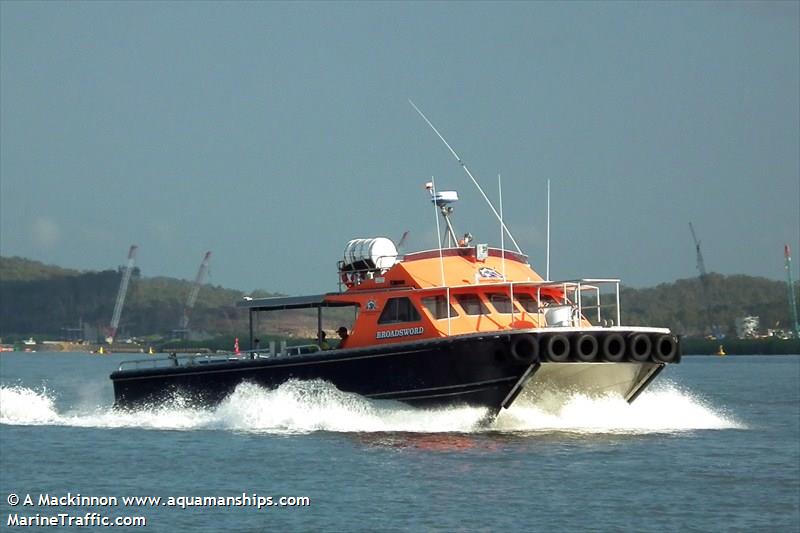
(502, 233)
(547, 255)
(431, 186)
(464, 166)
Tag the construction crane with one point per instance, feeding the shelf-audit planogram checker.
(701, 266)
(123, 289)
(787, 254)
(202, 273)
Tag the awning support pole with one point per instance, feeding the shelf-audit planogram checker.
(251, 329)
(319, 325)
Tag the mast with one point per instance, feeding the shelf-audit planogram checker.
(442, 200)
(502, 234)
(464, 166)
(436, 198)
(547, 255)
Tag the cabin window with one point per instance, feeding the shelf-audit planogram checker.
(472, 304)
(527, 302)
(437, 307)
(501, 302)
(398, 310)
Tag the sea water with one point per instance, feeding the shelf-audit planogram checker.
(713, 444)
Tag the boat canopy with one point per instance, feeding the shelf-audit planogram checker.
(313, 301)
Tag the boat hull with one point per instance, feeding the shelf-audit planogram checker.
(433, 373)
(487, 371)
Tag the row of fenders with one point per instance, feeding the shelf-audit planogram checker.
(592, 347)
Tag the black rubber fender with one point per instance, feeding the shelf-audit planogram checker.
(525, 349)
(665, 349)
(557, 348)
(639, 347)
(585, 347)
(613, 347)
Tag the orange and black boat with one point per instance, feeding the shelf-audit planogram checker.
(461, 324)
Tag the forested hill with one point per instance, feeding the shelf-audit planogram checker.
(42, 300)
(20, 269)
(689, 307)
(37, 299)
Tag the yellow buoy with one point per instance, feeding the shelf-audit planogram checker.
(721, 350)
(101, 351)
(150, 350)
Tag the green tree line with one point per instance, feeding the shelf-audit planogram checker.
(697, 308)
(37, 299)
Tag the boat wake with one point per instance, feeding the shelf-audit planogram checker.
(304, 407)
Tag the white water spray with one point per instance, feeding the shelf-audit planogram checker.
(304, 407)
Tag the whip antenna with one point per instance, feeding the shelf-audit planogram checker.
(464, 166)
(547, 270)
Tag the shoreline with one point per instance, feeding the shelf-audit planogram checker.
(765, 346)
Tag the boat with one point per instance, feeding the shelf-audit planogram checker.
(462, 324)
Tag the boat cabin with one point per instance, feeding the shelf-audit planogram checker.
(443, 292)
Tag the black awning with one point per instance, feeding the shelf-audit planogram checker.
(289, 302)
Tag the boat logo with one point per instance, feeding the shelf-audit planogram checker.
(371, 305)
(488, 272)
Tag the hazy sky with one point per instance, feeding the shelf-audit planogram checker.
(273, 133)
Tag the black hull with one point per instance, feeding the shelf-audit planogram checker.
(475, 372)
(486, 371)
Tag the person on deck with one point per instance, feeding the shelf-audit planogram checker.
(323, 344)
(342, 331)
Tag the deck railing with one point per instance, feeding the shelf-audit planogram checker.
(569, 310)
(209, 359)
(573, 308)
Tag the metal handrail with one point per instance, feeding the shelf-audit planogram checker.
(574, 286)
(577, 287)
(195, 359)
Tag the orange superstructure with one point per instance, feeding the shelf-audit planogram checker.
(495, 291)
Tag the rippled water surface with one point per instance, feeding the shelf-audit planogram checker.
(713, 444)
